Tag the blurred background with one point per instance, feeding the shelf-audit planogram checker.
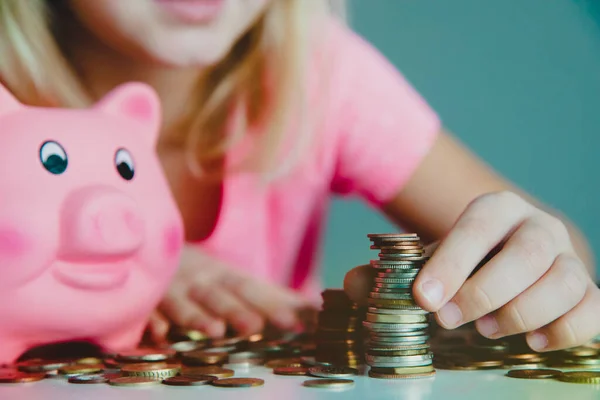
(517, 80)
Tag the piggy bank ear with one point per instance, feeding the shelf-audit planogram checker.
(8, 102)
(136, 101)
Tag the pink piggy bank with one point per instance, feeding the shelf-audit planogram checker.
(90, 234)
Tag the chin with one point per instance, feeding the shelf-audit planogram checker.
(188, 56)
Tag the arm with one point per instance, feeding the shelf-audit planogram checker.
(447, 180)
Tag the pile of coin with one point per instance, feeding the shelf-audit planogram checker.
(398, 341)
(463, 349)
(339, 336)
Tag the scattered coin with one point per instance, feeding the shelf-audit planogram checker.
(290, 371)
(161, 370)
(328, 383)
(284, 362)
(80, 369)
(89, 379)
(333, 372)
(533, 373)
(238, 382)
(145, 354)
(10, 375)
(185, 380)
(215, 371)
(133, 381)
(590, 377)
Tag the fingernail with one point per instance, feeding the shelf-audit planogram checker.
(487, 325)
(537, 341)
(433, 291)
(450, 315)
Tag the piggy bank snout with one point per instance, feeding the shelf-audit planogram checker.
(99, 223)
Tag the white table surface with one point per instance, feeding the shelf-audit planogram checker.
(447, 385)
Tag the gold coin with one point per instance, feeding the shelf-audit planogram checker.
(373, 374)
(151, 370)
(203, 357)
(580, 377)
(11, 375)
(533, 373)
(296, 371)
(89, 361)
(284, 362)
(328, 383)
(80, 369)
(238, 382)
(383, 303)
(133, 381)
(211, 370)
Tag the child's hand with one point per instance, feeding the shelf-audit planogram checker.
(535, 283)
(207, 295)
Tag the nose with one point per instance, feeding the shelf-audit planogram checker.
(100, 222)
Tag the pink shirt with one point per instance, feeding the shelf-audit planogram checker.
(376, 131)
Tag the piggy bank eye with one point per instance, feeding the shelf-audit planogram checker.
(53, 157)
(124, 164)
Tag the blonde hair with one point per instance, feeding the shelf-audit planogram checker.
(274, 51)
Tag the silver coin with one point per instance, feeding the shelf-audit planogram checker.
(394, 281)
(398, 274)
(383, 327)
(332, 372)
(398, 340)
(397, 311)
(404, 285)
(398, 364)
(391, 296)
(185, 346)
(391, 290)
(313, 362)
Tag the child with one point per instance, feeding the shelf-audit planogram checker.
(270, 106)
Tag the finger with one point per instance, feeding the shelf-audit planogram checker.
(556, 293)
(158, 327)
(477, 231)
(358, 283)
(223, 304)
(277, 304)
(526, 256)
(186, 313)
(575, 328)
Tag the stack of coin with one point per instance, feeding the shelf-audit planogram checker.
(339, 335)
(398, 342)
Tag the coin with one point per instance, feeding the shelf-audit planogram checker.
(187, 346)
(238, 382)
(205, 357)
(80, 369)
(284, 362)
(133, 381)
(88, 379)
(40, 365)
(145, 354)
(211, 370)
(290, 371)
(10, 375)
(374, 374)
(184, 380)
(533, 373)
(162, 371)
(328, 383)
(590, 377)
(332, 372)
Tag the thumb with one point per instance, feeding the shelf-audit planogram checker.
(358, 282)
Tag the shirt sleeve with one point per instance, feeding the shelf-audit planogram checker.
(384, 127)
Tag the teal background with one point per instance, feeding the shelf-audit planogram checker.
(517, 80)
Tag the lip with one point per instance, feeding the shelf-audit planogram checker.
(96, 276)
(192, 11)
